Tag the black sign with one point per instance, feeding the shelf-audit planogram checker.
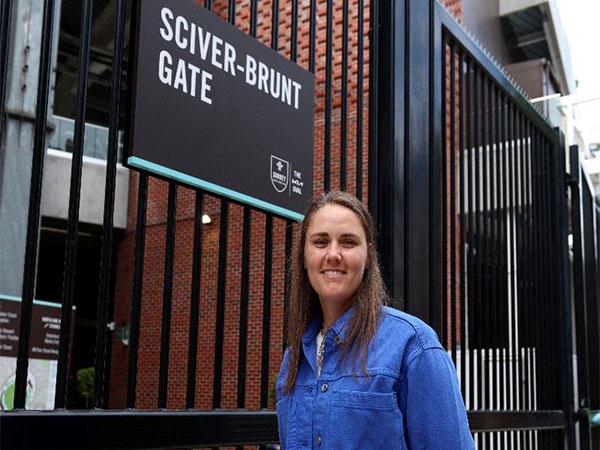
(216, 109)
(45, 328)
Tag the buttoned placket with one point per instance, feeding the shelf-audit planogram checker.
(324, 389)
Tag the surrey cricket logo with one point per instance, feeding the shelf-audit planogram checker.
(280, 170)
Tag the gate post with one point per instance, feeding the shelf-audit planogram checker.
(564, 338)
(406, 176)
(387, 200)
(575, 184)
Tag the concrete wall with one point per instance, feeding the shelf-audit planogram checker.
(57, 179)
(483, 20)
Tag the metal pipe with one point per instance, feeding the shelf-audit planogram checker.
(344, 112)
(138, 278)
(74, 199)
(359, 100)
(167, 301)
(243, 328)
(220, 315)
(328, 83)
(109, 201)
(33, 215)
(266, 313)
(195, 302)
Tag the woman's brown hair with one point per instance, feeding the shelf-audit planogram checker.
(304, 302)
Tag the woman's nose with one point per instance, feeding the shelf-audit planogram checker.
(333, 254)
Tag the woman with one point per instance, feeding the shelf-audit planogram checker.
(357, 374)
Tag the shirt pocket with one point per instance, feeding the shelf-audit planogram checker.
(365, 420)
(283, 408)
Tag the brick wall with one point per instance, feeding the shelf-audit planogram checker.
(151, 311)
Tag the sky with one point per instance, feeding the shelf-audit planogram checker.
(581, 22)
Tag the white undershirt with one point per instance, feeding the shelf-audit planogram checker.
(319, 340)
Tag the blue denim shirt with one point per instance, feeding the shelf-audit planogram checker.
(411, 399)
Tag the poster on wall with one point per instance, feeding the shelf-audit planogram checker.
(214, 108)
(43, 353)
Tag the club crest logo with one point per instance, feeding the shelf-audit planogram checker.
(280, 170)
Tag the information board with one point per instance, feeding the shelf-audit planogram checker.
(213, 107)
(43, 352)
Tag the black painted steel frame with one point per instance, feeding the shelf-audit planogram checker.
(501, 216)
(130, 429)
(408, 169)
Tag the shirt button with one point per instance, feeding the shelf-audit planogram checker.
(319, 441)
(337, 339)
(324, 387)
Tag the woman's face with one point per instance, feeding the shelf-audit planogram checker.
(335, 254)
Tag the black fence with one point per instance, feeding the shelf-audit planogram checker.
(466, 182)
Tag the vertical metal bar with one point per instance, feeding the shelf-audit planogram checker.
(513, 245)
(563, 339)
(195, 302)
(138, 276)
(493, 256)
(328, 83)
(220, 316)
(208, 4)
(373, 109)
(109, 200)
(547, 396)
(294, 32)
(497, 268)
(532, 267)
(525, 271)
(359, 100)
(578, 286)
(478, 234)
(313, 36)
(288, 258)
(5, 23)
(35, 198)
(344, 112)
(519, 261)
(470, 257)
(253, 17)
(503, 379)
(444, 189)
(539, 270)
(453, 265)
(275, 25)
(243, 331)
(544, 393)
(463, 239)
(74, 197)
(485, 282)
(231, 12)
(266, 330)
(165, 334)
(591, 291)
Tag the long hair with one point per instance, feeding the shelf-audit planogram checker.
(304, 302)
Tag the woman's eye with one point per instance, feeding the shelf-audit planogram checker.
(320, 243)
(348, 243)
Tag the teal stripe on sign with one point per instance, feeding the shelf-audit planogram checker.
(215, 188)
(35, 302)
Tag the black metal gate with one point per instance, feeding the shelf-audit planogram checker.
(464, 178)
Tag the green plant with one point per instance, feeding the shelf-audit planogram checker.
(273, 394)
(85, 384)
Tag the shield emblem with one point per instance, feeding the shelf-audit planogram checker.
(280, 171)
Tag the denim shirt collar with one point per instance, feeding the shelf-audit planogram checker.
(339, 327)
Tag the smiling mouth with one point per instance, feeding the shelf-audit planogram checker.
(333, 272)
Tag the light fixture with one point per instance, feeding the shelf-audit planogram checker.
(206, 219)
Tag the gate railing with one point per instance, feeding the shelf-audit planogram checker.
(504, 296)
(221, 295)
(464, 178)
